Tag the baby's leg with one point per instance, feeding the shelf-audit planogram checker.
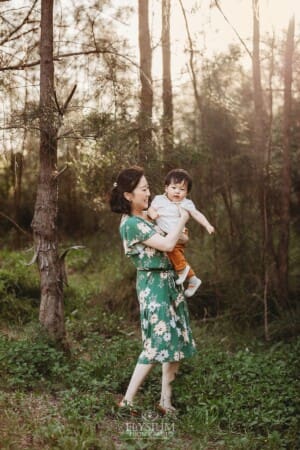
(179, 262)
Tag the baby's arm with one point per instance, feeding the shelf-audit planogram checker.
(200, 218)
(152, 213)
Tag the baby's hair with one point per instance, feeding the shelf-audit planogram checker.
(178, 176)
(126, 181)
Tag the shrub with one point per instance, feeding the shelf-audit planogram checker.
(19, 288)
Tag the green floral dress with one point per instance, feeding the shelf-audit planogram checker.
(165, 324)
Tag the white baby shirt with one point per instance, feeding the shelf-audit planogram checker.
(168, 211)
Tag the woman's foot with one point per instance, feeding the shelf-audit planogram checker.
(166, 409)
(125, 405)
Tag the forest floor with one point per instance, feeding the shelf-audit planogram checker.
(238, 392)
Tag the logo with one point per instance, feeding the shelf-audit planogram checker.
(150, 415)
(149, 426)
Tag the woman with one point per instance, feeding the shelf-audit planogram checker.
(166, 333)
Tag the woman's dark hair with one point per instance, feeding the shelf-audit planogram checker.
(178, 176)
(126, 181)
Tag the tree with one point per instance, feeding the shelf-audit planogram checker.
(146, 97)
(286, 166)
(260, 147)
(167, 121)
(44, 222)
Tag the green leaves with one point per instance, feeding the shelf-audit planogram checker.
(252, 391)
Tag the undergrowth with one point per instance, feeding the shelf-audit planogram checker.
(238, 392)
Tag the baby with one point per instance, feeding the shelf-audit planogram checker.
(165, 210)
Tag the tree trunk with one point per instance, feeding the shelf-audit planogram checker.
(146, 98)
(44, 222)
(259, 111)
(261, 152)
(167, 122)
(286, 167)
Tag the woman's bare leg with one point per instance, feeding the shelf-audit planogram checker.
(169, 371)
(139, 374)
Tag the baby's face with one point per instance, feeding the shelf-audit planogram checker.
(176, 192)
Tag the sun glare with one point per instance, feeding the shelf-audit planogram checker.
(277, 13)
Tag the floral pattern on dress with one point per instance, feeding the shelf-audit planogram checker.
(165, 324)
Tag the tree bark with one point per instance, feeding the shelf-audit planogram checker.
(146, 96)
(44, 222)
(167, 95)
(286, 166)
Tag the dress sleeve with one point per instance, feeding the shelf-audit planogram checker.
(135, 231)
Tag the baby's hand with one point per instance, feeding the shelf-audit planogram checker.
(210, 229)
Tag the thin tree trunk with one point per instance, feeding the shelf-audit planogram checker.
(261, 151)
(167, 84)
(44, 222)
(286, 166)
(17, 168)
(191, 62)
(259, 112)
(268, 242)
(17, 171)
(146, 99)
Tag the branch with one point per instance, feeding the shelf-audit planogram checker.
(19, 26)
(61, 111)
(64, 108)
(57, 174)
(15, 38)
(234, 29)
(57, 104)
(62, 261)
(66, 55)
(197, 95)
(35, 256)
(15, 224)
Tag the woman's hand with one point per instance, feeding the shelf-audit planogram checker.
(168, 242)
(183, 239)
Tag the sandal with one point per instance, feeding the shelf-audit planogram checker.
(125, 406)
(166, 411)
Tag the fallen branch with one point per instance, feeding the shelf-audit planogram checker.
(15, 224)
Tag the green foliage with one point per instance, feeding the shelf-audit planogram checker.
(31, 364)
(19, 288)
(251, 392)
(239, 395)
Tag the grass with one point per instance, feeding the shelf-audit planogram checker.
(238, 392)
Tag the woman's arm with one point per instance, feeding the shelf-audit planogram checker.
(168, 242)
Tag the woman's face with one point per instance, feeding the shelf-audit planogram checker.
(139, 197)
